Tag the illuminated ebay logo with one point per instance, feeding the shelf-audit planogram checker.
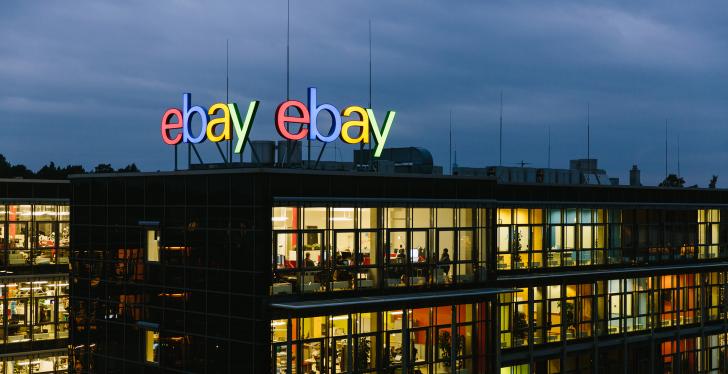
(361, 121)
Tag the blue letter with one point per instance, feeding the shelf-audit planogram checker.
(187, 113)
(314, 110)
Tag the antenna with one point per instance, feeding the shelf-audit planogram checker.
(449, 152)
(678, 154)
(588, 133)
(227, 92)
(227, 71)
(549, 148)
(288, 52)
(361, 146)
(665, 148)
(500, 132)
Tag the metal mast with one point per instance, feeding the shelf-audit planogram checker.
(665, 148)
(227, 93)
(361, 146)
(549, 148)
(449, 150)
(588, 133)
(678, 154)
(500, 132)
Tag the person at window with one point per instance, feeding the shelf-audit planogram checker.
(400, 254)
(421, 255)
(308, 262)
(445, 261)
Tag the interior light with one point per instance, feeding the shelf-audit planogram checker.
(279, 219)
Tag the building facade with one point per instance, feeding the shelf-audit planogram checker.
(285, 271)
(34, 297)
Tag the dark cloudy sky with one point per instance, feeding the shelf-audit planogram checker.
(87, 81)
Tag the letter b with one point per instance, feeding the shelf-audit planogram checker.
(314, 110)
(187, 113)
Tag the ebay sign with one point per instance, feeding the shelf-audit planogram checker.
(354, 124)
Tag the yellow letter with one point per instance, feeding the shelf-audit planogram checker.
(224, 120)
(363, 123)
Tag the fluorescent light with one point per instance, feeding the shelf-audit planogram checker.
(279, 219)
(338, 318)
(343, 209)
(341, 219)
(278, 323)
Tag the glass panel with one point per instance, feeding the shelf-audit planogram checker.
(445, 217)
(285, 218)
(445, 243)
(421, 217)
(342, 218)
(314, 218)
(18, 253)
(152, 246)
(368, 218)
(367, 260)
(396, 218)
(465, 257)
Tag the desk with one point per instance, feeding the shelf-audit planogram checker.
(311, 287)
(393, 282)
(339, 285)
(17, 338)
(42, 336)
(281, 288)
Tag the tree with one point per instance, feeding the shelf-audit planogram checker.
(53, 171)
(713, 181)
(673, 180)
(131, 168)
(103, 168)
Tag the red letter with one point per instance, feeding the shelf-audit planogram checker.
(282, 118)
(167, 126)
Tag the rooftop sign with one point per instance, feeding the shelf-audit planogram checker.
(354, 124)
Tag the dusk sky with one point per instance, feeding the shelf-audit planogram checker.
(85, 82)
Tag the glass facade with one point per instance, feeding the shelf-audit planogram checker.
(46, 362)
(323, 249)
(36, 309)
(35, 244)
(565, 311)
(34, 234)
(419, 340)
(570, 237)
(255, 271)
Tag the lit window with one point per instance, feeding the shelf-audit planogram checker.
(152, 246)
(151, 346)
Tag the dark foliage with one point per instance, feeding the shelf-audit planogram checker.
(53, 171)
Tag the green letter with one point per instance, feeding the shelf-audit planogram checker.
(242, 131)
(381, 136)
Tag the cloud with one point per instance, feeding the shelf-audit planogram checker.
(87, 81)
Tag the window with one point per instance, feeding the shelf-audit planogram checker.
(152, 246)
(348, 248)
(429, 340)
(151, 346)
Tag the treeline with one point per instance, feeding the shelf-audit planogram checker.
(53, 171)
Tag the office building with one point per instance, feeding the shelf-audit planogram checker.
(35, 240)
(299, 271)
